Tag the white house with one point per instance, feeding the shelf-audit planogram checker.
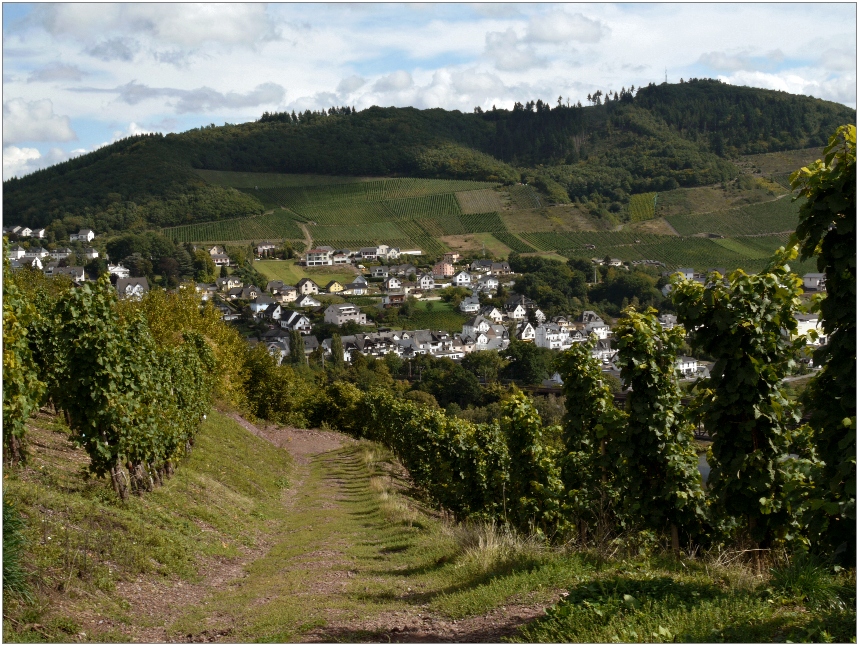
(307, 301)
(261, 303)
(344, 313)
(90, 253)
(36, 252)
(487, 283)
(39, 233)
(75, 273)
(462, 279)
(292, 320)
(307, 286)
(119, 270)
(62, 252)
(379, 272)
(549, 335)
(470, 304)
(688, 273)
(84, 235)
(392, 282)
(492, 313)
(132, 287)
(525, 331)
(265, 247)
(354, 289)
(687, 366)
(814, 282)
(516, 312)
(15, 252)
(319, 256)
(805, 323)
(476, 326)
(426, 282)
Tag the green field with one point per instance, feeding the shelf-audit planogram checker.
(290, 273)
(642, 207)
(442, 317)
(278, 225)
(513, 242)
(775, 216)
(438, 215)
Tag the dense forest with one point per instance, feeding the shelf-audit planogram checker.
(657, 137)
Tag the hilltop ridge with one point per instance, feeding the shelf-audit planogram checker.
(658, 138)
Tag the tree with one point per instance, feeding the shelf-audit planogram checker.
(337, 353)
(528, 363)
(204, 266)
(655, 453)
(746, 326)
(827, 229)
(296, 347)
(484, 363)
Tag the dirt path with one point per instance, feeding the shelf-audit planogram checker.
(339, 569)
(308, 239)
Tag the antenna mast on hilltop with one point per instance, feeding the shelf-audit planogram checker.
(666, 75)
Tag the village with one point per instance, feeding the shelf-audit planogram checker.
(276, 309)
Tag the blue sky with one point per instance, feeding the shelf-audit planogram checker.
(79, 76)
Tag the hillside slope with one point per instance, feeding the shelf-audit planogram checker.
(664, 137)
(246, 543)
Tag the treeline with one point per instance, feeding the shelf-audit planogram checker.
(662, 137)
(561, 288)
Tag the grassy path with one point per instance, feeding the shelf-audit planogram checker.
(357, 561)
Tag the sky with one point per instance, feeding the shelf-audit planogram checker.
(79, 76)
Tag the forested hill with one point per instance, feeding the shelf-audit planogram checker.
(653, 138)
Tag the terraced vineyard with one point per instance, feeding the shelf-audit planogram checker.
(418, 213)
(278, 225)
(482, 201)
(642, 207)
(345, 213)
(524, 197)
(430, 206)
(445, 226)
(412, 231)
(483, 223)
(515, 244)
(345, 231)
(371, 191)
(768, 217)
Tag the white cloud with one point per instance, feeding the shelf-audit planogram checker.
(561, 27)
(34, 121)
(350, 84)
(202, 99)
(508, 54)
(19, 161)
(55, 72)
(115, 49)
(183, 24)
(399, 80)
(839, 60)
(804, 81)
